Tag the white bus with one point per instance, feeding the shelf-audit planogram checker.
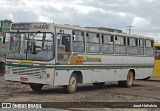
(64, 55)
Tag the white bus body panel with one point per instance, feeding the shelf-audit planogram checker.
(109, 74)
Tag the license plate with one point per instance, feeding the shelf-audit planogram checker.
(24, 79)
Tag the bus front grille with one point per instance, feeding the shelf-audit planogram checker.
(27, 71)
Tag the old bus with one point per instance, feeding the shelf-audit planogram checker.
(66, 55)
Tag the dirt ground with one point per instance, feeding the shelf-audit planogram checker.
(142, 91)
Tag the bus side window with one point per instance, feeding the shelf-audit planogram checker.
(132, 45)
(78, 41)
(92, 42)
(107, 43)
(148, 47)
(120, 47)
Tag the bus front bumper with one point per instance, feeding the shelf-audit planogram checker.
(28, 79)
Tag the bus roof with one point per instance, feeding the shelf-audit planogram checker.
(75, 27)
(43, 26)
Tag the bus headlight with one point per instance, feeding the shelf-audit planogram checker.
(43, 75)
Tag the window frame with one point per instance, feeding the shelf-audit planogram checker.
(130, 41)
(83, 41)
(110, 43)
(141, 45)
(93, 42)
(151, 47)
(119, 44)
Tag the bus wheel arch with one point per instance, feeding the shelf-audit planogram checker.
(133, 70)
(79, 76)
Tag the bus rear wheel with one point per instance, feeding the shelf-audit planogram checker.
(36, 87)
(129, 82)
(73, 84)
(130, 78)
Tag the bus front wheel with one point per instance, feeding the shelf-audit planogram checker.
(36, 87)
(73, 84)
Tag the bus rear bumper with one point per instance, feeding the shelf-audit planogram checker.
(28, 79)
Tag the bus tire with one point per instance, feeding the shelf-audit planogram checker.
(99, 84)
(73, 84)
(36, 87)
(129, 81)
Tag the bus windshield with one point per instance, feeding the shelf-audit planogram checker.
(31, 46)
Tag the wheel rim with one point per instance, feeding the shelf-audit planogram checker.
(73, 83)
(130, 79)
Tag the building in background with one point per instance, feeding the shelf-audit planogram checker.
(4, 28)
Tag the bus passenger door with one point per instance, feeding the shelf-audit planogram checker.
(63, 53)
(63, 38)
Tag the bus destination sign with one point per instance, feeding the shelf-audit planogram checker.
(28, 26)
(40, 26)
(21, 26)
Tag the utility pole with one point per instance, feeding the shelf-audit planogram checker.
(129, 28)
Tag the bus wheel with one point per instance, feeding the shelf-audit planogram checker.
(73, 84)
(99, 84)
(36, 87)
(128, 82)
(130, 78)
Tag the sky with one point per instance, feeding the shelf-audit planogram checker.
(144, 15)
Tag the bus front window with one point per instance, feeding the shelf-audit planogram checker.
(31, 46)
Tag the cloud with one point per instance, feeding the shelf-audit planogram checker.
(140, 23)
(143, 14)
